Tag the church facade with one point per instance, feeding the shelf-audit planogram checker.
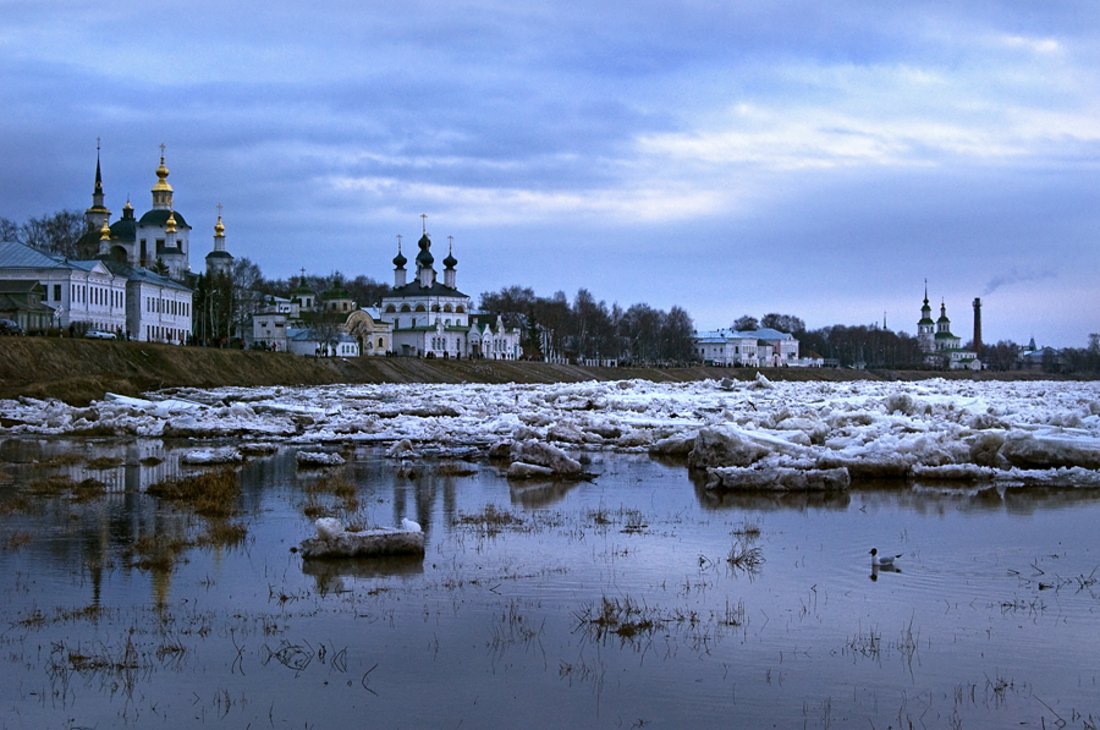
(940, 346)
(432, 318)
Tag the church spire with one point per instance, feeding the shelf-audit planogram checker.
(96, 216)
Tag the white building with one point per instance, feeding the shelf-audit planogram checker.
(103, 294)
(310, 342)
(763, 347)
(374, 334)
(269, 330)
(433, 319)
(84, 294)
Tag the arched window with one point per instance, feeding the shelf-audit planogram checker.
(435, 307)
(448, 308)
(460, 309)
(381, 343)
(390, 309)
(420, 308)
(405, 308)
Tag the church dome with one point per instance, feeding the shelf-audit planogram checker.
(450, 261)
(158, 217)
(425, 258)
(399, 260)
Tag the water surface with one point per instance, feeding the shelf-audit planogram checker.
(604, 603)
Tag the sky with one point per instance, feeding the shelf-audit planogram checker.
(816, 159)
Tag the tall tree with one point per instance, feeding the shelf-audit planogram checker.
(783, 322)
(678, 337)
(746, 323)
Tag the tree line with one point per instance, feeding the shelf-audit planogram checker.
(587, 329)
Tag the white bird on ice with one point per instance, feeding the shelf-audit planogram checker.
(410, 526)
(883, 561)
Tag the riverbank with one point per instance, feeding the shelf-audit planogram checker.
(78, 371)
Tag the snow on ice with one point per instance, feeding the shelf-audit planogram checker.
(1014, 432)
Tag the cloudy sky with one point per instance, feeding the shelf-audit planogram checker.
(818, 159)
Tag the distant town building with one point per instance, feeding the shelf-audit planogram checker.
(763, 347)
(941, 348)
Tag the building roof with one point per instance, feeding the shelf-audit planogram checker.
(132, 273)
(413, 289)
(766, 334)
(306, 334)
(14, 255)
(158, 217)
(18, 286)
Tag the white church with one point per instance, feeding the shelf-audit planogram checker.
(940, 346)
(432, 318)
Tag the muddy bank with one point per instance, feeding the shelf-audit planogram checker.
(78, 371)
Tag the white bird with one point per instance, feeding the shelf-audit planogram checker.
(883, 561)
(410, 526)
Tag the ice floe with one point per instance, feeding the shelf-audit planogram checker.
(1016, 432)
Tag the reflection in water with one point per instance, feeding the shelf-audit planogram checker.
(532, 494)
(770, 501)
(483, 623)
(329, 574)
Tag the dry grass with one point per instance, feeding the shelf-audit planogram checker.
(336, 484)
(490, 520)
(747, 530)
(65, 486)
(104, 462)
(623, 618)
(223, 533)
(455, 469)
(211, 494)
(743, 557)
(157, 552)
(17, 539)
(18, 504)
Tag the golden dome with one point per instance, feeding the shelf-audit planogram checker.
(162, 177)
(219, 228)
(105, 230)
(170, 224)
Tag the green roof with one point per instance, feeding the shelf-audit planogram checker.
(159, 218)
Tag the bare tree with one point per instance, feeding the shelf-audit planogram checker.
(57, 232)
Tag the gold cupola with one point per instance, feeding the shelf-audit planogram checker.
(105, 230)
(170, 224)
(162, 191)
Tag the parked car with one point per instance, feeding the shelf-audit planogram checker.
(100, 335)
(10, 327)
